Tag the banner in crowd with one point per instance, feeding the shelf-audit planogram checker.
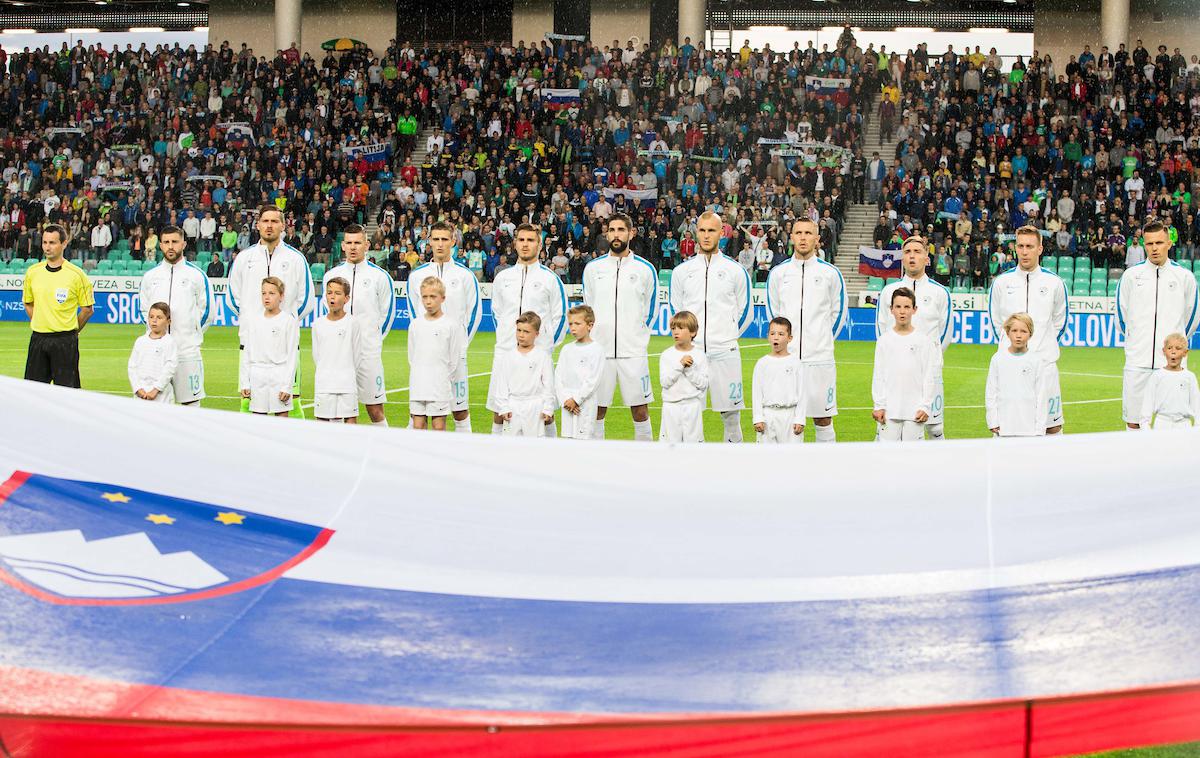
(376, 152)
(560, 98)
(652, 154)
(642, 195)
(812, 154)
(565, 37)
(882, 263)
(237, 131)
(824, 86)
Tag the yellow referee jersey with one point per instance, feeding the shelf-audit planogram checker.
(57, 296)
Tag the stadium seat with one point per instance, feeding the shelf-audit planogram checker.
(4, 267)
(664, 277)
(1112, 288)
(1099, 288)
(874, 284)
(1081, 288)
(147, 265)
(104, 266)
(1083, 264)
(77, 262)
(318, 271)
(1066, 266)
(1050, 262)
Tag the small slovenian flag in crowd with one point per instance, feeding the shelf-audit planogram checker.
(559, 99)
(875, 262)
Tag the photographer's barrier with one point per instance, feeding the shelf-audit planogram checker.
(1092, 322)
(192, 582)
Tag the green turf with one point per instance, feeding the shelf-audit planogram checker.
(1188, 750)
(1091, 379)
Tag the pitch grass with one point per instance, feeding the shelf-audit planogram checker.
(1091, 380)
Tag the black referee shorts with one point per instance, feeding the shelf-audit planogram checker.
(53, 357)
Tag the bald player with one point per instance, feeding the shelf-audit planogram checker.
(717, 290)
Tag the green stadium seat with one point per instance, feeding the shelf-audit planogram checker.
(874, 284)
(1099, 276)
(1189, 265)
(1066, 266)
(1081, 288)
(4, 267)
(104, 266)
(1099, 288)
(664, 277)
(77, 262)
(1112, 288)
(1083, 264)
(1050, 262)
(318, 271)
(147, 265)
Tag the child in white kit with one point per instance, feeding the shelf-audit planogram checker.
(905, 378)
(1018, 386)
(272, 346)
(683, 373)
(580, 368)
(777, 389)
(154, 358)
(1172, 399)
(436, 346)
(525, 382)
(336, 347)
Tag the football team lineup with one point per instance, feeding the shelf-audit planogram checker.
(1091, 380)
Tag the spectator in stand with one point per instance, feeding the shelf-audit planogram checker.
(216, 269)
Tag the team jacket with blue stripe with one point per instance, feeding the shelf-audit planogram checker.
(1152, 302)
(934, 308)
(718, 292)
(812, 295)
(623, 291)
(1042, 295)
(462, 293)
(529, 288)
(372, 298)
(189, 293)
(254, 264)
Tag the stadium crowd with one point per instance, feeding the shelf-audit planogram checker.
(329, 140)
(1086, 153)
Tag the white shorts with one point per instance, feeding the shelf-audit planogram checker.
(900, 430)
(937, 409)
(725, 380)
(429, 408)
(459, 387)
(633, 374)
(1133, 391)
(371, 387)
(1054, 408)
(579, 426)
(526, 418)
(189, 380)
(328, 405)
(820, 389)
(682, 421)
(1164, 423)
(266, 382)
(779, 422)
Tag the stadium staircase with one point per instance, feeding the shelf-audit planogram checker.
(418, 157)
(861, 217)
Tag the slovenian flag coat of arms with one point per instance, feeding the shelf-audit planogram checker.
(882, 263)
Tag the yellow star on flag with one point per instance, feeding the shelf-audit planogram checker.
(116, 497)
(160, 518)
(229, 517)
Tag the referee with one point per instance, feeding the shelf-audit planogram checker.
(58, 299)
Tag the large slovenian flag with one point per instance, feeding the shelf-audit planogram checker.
(558, 99)
(274, 587)
(882, 263)
(824, 86)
